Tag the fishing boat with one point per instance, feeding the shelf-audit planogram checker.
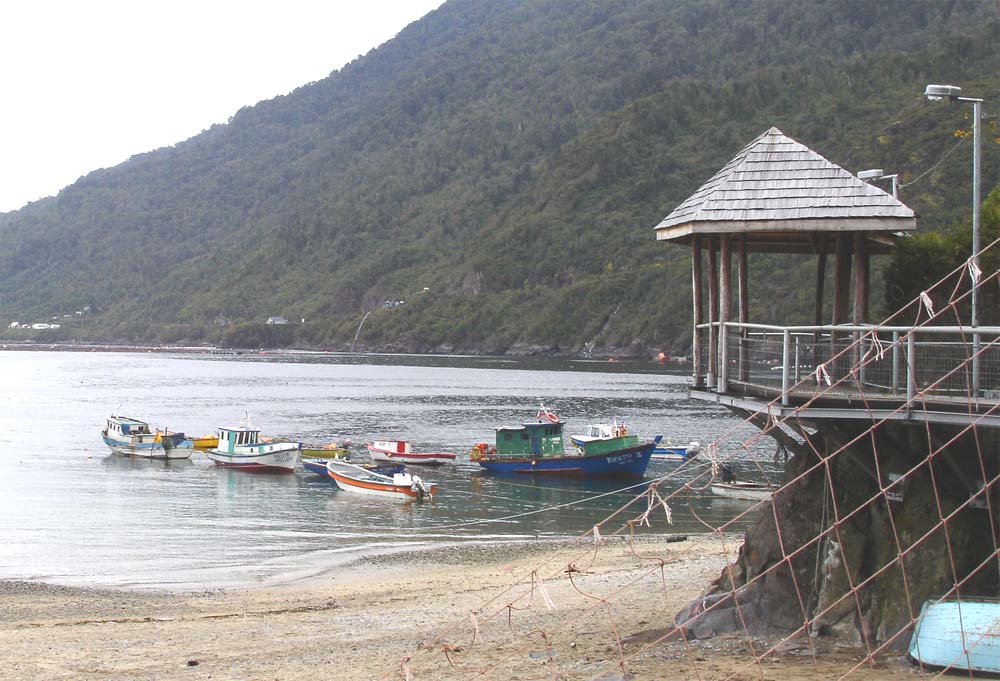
(740, 489)
(400, 450)
(243, 448)
(318, 466)
(665, 451)
(205, 442)
(537, 448)
(324, 451)
(132, 437)
(353, 478)
(958, 635)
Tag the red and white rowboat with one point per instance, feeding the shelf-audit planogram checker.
(352, 478)
(400, 451)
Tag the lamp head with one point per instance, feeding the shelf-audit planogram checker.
(869, 174)
(938, 92)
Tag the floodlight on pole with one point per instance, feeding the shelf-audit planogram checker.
(879, 174)
(953, 94)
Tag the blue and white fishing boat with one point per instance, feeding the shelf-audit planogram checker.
(243, 448)
(666, 451)
(537, 448)
(318, 466)
(132, 437)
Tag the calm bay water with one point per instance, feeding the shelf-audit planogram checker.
(71, 513)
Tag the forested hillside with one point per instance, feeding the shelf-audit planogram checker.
(500, 166)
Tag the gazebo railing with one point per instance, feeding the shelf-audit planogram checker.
(895, 362)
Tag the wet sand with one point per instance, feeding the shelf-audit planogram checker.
(531, 610)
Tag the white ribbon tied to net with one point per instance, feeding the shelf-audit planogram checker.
(877, 346)
(822, 375)
(545, 595)
(653, 498)
(712, 452)
(928, 303)
(974, 271)
(475, 624)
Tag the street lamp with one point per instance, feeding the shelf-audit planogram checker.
(878, 174)
(953, 94)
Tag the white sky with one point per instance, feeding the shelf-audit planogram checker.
(87, 83)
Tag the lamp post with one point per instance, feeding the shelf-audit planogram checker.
(952, 94)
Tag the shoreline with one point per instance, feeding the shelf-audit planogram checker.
(505, 612)
(610, 356)
(359, 562)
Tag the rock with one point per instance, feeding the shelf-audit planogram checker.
(808, 571)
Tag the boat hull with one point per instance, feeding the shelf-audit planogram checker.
(430, 459)
(205, 442)
(324, 452)
(747, 491)
(958, 635)
(261, 459)
(147, 450)
(357, 482)
(630, 462)
(391, 452)
(318, 466)
(674, 454)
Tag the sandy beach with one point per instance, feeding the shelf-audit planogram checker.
(530, 610)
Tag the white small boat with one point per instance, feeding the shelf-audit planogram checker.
(601, 431)
(132, 437)
(400, 451)
(242, 448)
(738, 489)
(353, 478)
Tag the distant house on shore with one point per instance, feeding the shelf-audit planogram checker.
(277, 320)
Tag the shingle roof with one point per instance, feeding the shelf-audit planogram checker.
(778, 180)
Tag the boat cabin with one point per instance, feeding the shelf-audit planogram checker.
(231, 438)
(605, 431)
(531, 440)
(127, 427)
(392, 446)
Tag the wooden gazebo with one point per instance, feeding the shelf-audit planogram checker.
(779, 196)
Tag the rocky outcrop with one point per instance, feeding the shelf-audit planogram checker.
(837, 555)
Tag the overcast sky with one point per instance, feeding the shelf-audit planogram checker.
(88, 83)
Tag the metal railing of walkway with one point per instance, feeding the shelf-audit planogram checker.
(944, 364)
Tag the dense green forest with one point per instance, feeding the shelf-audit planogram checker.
(499, 167)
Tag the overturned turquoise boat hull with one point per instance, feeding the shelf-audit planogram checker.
(958, 635)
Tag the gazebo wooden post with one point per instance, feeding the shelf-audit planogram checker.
(841, 292)
(725, 300)
(699, 372)
(859, 312)
(713, 313)
(744, 301)
(819, 243)
(861, 278)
